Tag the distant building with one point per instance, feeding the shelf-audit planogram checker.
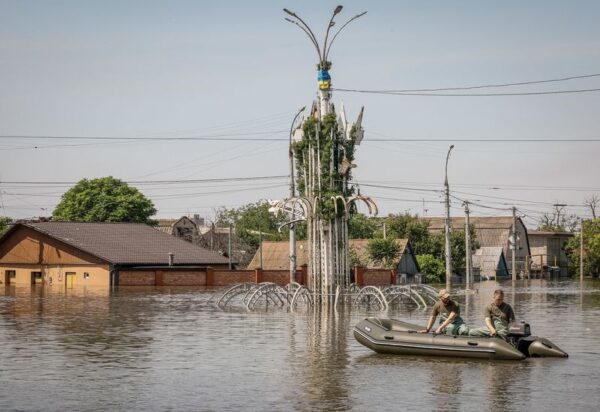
(491, 231)
(548, 252)
(490, 263)
(183, 228)
(276, 256)
(100, 254)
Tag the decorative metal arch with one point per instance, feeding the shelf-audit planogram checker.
(371, 291)
(233, 291)
(301, 293)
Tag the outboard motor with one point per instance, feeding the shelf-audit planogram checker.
(519, 335)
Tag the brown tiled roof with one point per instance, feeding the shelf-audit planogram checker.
(276, 255)
(128, 243)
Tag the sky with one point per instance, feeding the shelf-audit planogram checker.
(232, 75)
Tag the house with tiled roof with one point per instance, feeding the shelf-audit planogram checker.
(74, 253)
(491, 231)
(276, 256)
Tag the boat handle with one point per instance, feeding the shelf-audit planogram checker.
(389, 337)
(473, 343)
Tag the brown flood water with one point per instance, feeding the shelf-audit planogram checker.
(170, 349)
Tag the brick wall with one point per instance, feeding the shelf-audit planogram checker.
(373, 277)
(230, 277)
(184, 278)
(137, 278)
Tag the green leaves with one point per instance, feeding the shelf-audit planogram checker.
(384, 251)
(104, 200)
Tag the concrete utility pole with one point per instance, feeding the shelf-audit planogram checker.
(514, 244)
(469, 273)
(448, 249)
(292, 194)
(581, 252)
(229, 247)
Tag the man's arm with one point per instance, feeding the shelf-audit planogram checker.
(488, 323)
(429, 324)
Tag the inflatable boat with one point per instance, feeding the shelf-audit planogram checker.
(402, 338)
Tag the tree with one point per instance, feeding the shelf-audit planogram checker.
(362, 227)
(593, 203)
(433, 268)
(252, 221)
(557, 221)
(4, 224)
(384, 251)
(424, 242)
(104, 200)
(591, 249)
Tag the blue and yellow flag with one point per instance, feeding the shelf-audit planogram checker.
(324, 80)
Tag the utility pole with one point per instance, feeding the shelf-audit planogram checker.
(229, 247)
(448, 250)
(469, 273)
(514, 244)
(384, 231)
(292, 194)
(581, 252)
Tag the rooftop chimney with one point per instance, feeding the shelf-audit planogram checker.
(171, 258)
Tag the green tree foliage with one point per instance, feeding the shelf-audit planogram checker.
(336, 154)
(362, 227)
(104, 200)
(433, 268)
(4, 224)
(253, 221)
(384, 251)
(591, 249)
(416, 230)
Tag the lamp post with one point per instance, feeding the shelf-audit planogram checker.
(323, 52)
(448, 251)
(292, 194)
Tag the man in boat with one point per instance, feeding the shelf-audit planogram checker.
(450, 321)
(499, 315)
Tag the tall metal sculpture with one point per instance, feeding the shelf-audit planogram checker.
(323, 150)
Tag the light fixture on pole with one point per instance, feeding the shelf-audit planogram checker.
(448, 250)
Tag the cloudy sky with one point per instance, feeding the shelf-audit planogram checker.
(232, 74)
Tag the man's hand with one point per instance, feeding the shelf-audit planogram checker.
(424, 331)
(493, 332)
(439, 330)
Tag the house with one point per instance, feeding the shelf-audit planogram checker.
(100, 254)
(183, 228)
(276, 256)
(490, 263)
(211, 237)
(491, 231)
(548, 251)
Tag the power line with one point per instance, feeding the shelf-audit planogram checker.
(561, 79)
(469, 94)
(153, 182)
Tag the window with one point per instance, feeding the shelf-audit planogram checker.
(11, 274)
(36, 277)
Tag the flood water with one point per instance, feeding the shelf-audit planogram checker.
(170, 349)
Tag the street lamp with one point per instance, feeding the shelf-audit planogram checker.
(448, 251)
(322, 52)
(292, 194)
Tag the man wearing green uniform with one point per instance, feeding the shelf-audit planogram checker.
(450, 321)
(499, 315)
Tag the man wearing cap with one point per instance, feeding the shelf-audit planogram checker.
(450, 321)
